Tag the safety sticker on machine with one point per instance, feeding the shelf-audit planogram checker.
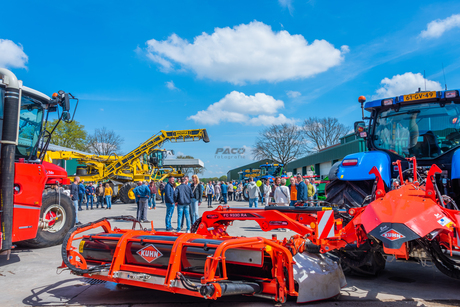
(325, 224)
(149, 253)
(445, 222)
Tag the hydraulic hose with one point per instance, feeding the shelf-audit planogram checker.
(8, 147)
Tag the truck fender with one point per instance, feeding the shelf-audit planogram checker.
(365, 162)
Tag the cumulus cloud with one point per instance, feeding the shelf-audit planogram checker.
(437, 27)
(170, 85)
(246, 53)
(293, 94)
(405, 84)
(236, 107)
(12, 55)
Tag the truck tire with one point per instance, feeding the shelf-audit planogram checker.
(348, 194)
(126, 193)
(195, 225)
(245, 193)
(53, 233)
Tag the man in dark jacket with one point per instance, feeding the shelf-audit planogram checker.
(74, 191)
(90, 195)
(183, 198)
(301, 189)
(169, 200)
(81, 193)
(100, 196)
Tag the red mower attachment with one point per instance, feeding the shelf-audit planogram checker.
(209, 263)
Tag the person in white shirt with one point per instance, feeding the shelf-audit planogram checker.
(282, 195)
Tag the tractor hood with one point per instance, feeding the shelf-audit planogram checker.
(55, 174)
(402, 215)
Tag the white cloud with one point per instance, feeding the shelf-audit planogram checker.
(287, 4)
(405, 84)
(247, 52)
(236, 107)
(12, 55)
(101, 109)
(293, 94)
(437, 27)
(170, 85)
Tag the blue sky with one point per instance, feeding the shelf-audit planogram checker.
(231, 67)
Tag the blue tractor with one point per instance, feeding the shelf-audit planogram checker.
(424, 125)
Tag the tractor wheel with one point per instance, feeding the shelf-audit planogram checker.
(348, 194)
(126, 193)
(246, 193)
(195, 225)
(57, 217)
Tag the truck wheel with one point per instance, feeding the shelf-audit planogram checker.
(57, 217)
(195, 225)
(126, 193)
(245, 193)
(348, 194)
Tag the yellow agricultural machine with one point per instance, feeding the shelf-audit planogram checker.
(143, 163)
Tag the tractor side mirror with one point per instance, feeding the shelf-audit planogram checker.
(360, 129)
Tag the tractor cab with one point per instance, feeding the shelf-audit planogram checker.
(268, 171)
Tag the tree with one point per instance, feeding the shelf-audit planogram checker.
(104, 142)
(193, 170)
(323, 132)
(223, 178)
(280, 143)
(71, 135)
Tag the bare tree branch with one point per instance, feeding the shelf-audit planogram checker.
(323, 132)
(104, 142)
(280, 143)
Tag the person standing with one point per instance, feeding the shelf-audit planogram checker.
(266, 192)
(282, 195)
(239, 191)
(218, 191)
(74, 193)
(162, 191)
(143, 195)
(81, 194)
(100, 196)
(254, 192)
(230, 191)
(153, 195)
(293, 191)
(135, 192)
(197, 195)
(224, 192)
(90, 195)
(108, 196)
(311, 190)
(209, 193)
(183, 198)
(169, 200)
(301, 189)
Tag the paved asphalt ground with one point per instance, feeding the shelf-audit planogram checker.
(30, 278)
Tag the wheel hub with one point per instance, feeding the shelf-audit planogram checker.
(53, 218)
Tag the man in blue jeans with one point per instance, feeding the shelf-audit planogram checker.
(81, 194)
(254, 192)
(224, 192)
(183, 198)
(74, 191)
(169, 200)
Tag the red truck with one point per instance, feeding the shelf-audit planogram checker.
(34, 209)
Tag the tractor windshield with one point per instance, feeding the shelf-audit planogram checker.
(30, 125)
(423, 130)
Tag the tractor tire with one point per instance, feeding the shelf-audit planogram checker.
(126, 193)
(246, 193)
(348, 194)
(53, 205)
(195, 225)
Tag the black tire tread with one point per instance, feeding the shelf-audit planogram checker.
(123, 193)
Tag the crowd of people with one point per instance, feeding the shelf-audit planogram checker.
(187, 196)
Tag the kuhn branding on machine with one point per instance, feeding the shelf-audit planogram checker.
(149, 253)
(392, 235)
